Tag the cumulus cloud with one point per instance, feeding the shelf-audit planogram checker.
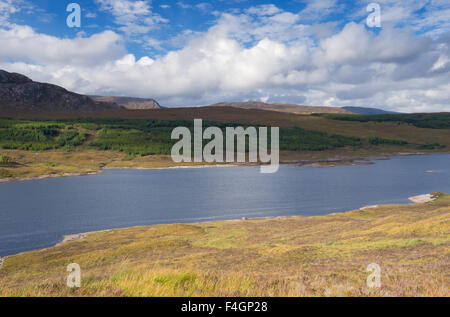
(262, 53)
(20, 42)
(356, 45)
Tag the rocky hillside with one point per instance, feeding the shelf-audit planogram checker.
(290, 108)
(130, 103)
(18, 92)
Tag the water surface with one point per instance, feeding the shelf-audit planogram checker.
(36, 214)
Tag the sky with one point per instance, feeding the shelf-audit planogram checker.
(193, 53)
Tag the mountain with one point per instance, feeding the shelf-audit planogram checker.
(130, 103)
(362, 110)
(290, 108)
(18, 92)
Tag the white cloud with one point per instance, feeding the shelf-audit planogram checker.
(355, 45)
(264, 10)
(427, 16)
(204, 7)
(317, 10)
(8, 8)
(90, 15)
(183, 5)
(19, 43)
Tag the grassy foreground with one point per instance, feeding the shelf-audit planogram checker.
(292, 256)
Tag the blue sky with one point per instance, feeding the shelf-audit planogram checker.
(186, 53)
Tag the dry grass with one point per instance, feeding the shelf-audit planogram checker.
(30, 164)
(292, 256)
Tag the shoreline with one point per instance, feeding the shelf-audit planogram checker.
(312, 163)
(7, 180)
(78, 236)
(419, 199)
(175, 167)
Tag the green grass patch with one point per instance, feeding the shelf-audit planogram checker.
(431, 146)
(414, 242)
(5, 160)
(49, 164)
(381, 141)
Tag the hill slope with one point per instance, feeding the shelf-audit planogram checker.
(20, 93)
(290, 108)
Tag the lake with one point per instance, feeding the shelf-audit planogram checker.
(38, 213)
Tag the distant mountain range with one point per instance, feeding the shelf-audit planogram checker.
(362, 110)
(290, 108)
(299, 109)
(20, 93)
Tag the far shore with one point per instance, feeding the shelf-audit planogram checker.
(6, 180)
(303, 163)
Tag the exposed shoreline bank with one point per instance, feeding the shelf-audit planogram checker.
(78, 236)
(419, 199)
(7, 180)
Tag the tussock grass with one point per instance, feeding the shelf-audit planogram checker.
(288, 256)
